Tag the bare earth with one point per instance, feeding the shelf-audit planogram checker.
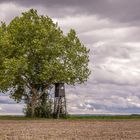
(70, 130)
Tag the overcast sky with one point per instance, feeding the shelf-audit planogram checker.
(110, 28)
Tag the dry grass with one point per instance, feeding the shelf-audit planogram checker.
(70, 130)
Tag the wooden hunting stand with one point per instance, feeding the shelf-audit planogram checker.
(60, 101)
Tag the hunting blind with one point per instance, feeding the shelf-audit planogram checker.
(59, 100)
(59, 90)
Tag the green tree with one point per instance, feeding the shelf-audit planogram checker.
(36, 54)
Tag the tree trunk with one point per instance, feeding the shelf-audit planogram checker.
(33, 105)
(33, 110)
(33, 102)
(36, 95)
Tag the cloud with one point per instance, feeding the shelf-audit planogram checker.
(110, 29)
(7, 16)
(116, 103)
(6, 100)
(104, 98)
(123, 11)
(13, 109)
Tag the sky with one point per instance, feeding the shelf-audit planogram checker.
(110, 29)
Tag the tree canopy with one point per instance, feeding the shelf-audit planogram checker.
(34, 51)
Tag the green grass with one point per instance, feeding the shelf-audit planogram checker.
(105, 117)
(19, 118)
(74, 117)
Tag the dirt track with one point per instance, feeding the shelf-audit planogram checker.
(70, 130)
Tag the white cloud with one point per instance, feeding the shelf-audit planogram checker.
(9, 109)
(9, 10)
(83, 23)
(0, 108)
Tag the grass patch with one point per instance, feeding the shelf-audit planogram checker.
(74, 117)
(19, 118)
(109, 117)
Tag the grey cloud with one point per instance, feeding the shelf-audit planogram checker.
(116, 104)
(13, 109)
(115, 35)
(4, 99)
(6, 102)
(113, 104)
(126, 10)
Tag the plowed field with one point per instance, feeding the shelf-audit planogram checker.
(70, 129)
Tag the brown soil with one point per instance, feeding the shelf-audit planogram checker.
(70, 130)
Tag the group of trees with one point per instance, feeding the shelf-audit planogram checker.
(34, 55)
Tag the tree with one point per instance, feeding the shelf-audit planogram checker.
(36, 54)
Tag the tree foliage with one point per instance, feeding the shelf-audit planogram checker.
(35, 54)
